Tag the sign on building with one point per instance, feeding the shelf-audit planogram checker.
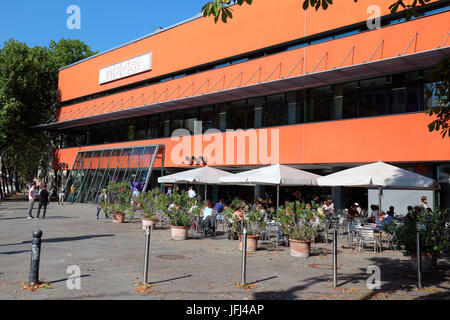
(126, 68)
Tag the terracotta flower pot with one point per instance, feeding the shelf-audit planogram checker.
(300, 249)
(428, 262)
(179, 233)
(252, 242)
(118, 217)
(148, 222)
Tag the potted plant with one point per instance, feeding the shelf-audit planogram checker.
(300, 225)
(432, 228)
(254, 224)
(231, 215)
(149, 204)
(181, 212)
(118, 201)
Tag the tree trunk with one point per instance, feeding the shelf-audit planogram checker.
(11, 182)
(17, 181)
(5, 187)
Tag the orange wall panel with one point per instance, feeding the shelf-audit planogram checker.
(396, 138)
(200, 41)
(431, 32)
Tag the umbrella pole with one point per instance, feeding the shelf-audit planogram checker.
(380, 194)
(278, 196)
(206, 190)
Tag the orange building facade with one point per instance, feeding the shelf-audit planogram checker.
(320, 91)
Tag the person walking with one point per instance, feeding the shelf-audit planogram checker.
(61, 196)
(101, 197)
(72, 195)
(31, 199)
(43, 201)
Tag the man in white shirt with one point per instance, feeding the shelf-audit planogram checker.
(191, 193)
(31, 198)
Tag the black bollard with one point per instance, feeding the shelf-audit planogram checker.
(35, 257)
(147, 253)
(419, 263)
(244, 257)
(334, 258)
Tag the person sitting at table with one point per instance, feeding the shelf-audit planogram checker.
(352, 212)
(172, 206)
(391, 211)
(423, 204)
(209, 221)
(239, 213)
(386, 225)
(358, 209)
(375, 214)
(315, 202)
(328, 207)
(220, 206)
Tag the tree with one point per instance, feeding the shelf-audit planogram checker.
(437, 94)
(29, 97)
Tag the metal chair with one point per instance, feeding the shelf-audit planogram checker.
(163, 221)
(367, 236)
(342, 227)
(197, 225)
(352, 234)
(388, 240)
(271, 234)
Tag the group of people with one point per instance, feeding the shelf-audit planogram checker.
(382, 219)
(40, 194)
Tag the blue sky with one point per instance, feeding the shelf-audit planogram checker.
(105, 24)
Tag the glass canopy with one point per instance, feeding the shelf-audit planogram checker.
(93, 170)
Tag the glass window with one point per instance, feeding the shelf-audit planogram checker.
(122, 131)
(345, 104)
(207, 118)
(141, 128)
(296, 107)
(320, 104)
(397, 95)
(153, 126)
(176, 120)
(275, 110)
(191, 117)
(221, 116)
(374, 97)
(163, 125)
(429, 94)
(237, 115)
(255, 112)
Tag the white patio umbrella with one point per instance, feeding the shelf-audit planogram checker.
(279, 175)
(378, 175)
(203, 175)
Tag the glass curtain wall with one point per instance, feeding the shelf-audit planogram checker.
(94, 170)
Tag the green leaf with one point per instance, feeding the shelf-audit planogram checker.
(305, 4)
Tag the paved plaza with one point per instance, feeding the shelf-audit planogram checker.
(111, 259)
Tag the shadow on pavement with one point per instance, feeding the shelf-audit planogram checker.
(65, 279)
(188, 276)
(63, 239)
(14, 252)
(46, 218)
(397, 277)
(258, 281)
